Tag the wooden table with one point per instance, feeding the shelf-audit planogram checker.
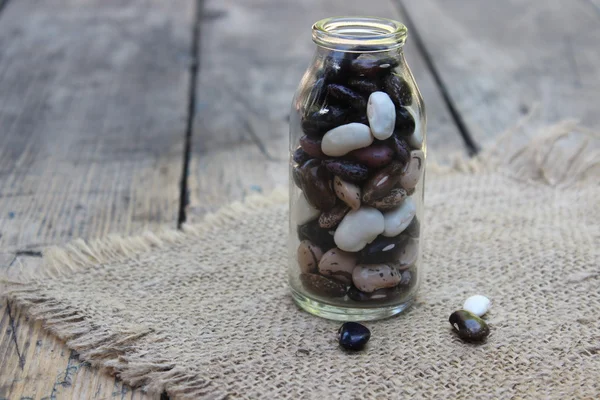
(126, 115)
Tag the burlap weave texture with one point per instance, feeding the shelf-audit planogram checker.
(206, 313)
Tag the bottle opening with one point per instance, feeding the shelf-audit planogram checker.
(359, 34)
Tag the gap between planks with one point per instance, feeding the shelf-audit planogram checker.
(194, 68)
(472, 147)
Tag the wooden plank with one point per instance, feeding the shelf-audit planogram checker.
(93, 113)
(252, 56)
(48, 370)
(499, 60)
(93, 116)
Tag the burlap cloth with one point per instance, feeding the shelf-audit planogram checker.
(205, 313)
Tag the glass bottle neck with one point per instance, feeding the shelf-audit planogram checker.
(359, 34)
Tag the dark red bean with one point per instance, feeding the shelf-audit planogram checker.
(312, 146)
(300, 156)
(297, 176)
(376, 155)
(347, 170)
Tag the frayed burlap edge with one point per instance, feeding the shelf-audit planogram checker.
(116, 351)
(535, 161)
(100, 345)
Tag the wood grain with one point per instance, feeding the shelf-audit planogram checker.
(252, 56)
(498, 60)
(93, 112)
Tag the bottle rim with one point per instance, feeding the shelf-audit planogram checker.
(359, 34)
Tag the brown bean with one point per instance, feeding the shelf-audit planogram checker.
(338, 265)
(381, 184)
(312, 146)
(331, 218)
(413, 170)
(308, 256)
(323, 286)
(389, 201)
(371, 277)
(317, 185)
(347, 192)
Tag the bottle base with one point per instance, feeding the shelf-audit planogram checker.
(339, 313)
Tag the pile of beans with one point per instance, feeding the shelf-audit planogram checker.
(357, 164)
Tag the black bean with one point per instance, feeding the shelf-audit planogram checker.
(398, 89)
(364, 86)
(383, 250)
(468, 326)
(353, 336)
(315, 94)
(405, 123)
(413, 229)
(379, 295)
(401, 148)
(347, 96)
(318, 121)
(319, 236)
(336, 66)
(347, 170)
(372, 66)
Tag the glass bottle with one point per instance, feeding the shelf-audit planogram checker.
(357, 164)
